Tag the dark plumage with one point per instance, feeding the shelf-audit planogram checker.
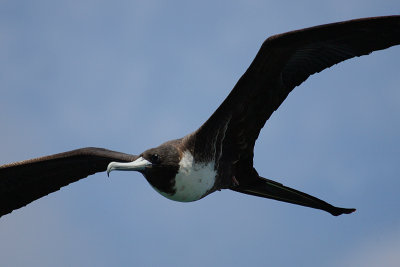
(219, 155)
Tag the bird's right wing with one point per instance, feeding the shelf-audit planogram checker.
(25, 181)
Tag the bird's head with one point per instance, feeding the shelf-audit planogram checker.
(158, 165)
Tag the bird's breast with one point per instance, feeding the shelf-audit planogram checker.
(193, 180)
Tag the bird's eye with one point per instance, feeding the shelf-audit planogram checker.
(155, 158)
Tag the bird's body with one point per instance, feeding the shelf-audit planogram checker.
(218, 155)
(194, 180)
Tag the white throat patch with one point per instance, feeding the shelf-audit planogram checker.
(193, 180)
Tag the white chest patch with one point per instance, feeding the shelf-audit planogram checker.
(193, 180)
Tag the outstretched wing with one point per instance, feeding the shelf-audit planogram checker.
(284, 62)
(25, 181)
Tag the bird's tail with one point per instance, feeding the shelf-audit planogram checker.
(263, 187)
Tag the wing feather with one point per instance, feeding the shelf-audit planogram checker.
(283, 62)
(25, 181)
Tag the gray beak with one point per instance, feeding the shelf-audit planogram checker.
(137, 165)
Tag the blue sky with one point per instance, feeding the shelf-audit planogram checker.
(129, 75)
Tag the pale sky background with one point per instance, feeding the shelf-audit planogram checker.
(129, 75)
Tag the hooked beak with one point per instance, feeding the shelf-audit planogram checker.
(137, 165)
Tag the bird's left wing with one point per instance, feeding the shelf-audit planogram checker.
(283, 62)
(25, 181)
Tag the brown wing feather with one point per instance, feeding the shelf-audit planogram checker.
(283, 62)
(25, 181)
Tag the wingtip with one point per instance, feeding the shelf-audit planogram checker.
(339, 211)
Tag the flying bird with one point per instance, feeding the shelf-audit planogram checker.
(218, 155)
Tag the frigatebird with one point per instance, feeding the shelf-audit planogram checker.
(218, 155)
